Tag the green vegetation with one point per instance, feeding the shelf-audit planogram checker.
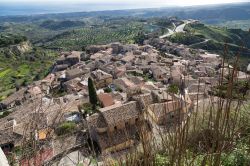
(107, 90)
(239, 156)
(92, 94)
(140, 37)
(58, 25)
(185, 38)
(58, 92)
(173, 89)
(234, 37)
(78, 39)
(146, 77)
(239, 90)
(21, 69)
(213, 39)
(11, 39)
(87, 107)
(236, 24)
(66, 128)
(4, 114)
(118, 89)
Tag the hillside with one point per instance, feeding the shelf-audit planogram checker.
(213, 39)
(21, 64)
(212, 14)
(47, 33)
(78, 38)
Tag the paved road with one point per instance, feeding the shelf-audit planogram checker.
(176, 29)
(170, 32)
(205, 41)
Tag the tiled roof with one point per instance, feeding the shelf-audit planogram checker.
(120, 136)
(96, 121)
(106, 99)
(100, 75)
(161, 109)
(74, 72)
(120, 112)
(19, 95)
(8, 137)
(162, 95)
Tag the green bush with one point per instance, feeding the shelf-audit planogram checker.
(87, 107)
(119, 89)
(11, 39)
(107, 90)
(65, 128)
(185, 38)
(240, 156)
(4, 114)
(173, 89)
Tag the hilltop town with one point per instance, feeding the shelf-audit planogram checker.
(139, 88)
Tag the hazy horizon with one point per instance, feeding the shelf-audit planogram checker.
(30, 7)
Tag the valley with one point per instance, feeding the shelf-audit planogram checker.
(135, 87)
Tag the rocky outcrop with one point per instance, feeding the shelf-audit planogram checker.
(21, 48)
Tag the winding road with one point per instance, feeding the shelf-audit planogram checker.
(205, 41)
(180, 28)
(177, 29)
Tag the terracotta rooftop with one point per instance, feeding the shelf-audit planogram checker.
(106, 99)
(120, 112)
(117, 138)
(97, 121)
(161, 109)
(100, 75)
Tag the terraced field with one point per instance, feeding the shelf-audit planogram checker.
(18, 70)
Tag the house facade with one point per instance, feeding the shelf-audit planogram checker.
(101, 78)
(114, 128)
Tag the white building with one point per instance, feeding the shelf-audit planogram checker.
(248, 68)
(3, 159)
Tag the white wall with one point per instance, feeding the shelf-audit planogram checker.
(3, 159)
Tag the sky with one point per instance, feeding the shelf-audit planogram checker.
(27, 7)
(153, 3)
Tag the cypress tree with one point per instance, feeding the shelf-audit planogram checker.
(92, 93)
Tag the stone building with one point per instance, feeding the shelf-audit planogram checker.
(167, 113)
(101, 78)
(115, 127)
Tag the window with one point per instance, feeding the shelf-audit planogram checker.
(136, 120)
(115, 127)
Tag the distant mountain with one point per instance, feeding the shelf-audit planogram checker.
(207, 14)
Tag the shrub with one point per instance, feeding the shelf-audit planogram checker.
(119, 89)
(107, 90)
(173, 89)
(6, 113)
(239, 156)
(65, 128)
(87, 107)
